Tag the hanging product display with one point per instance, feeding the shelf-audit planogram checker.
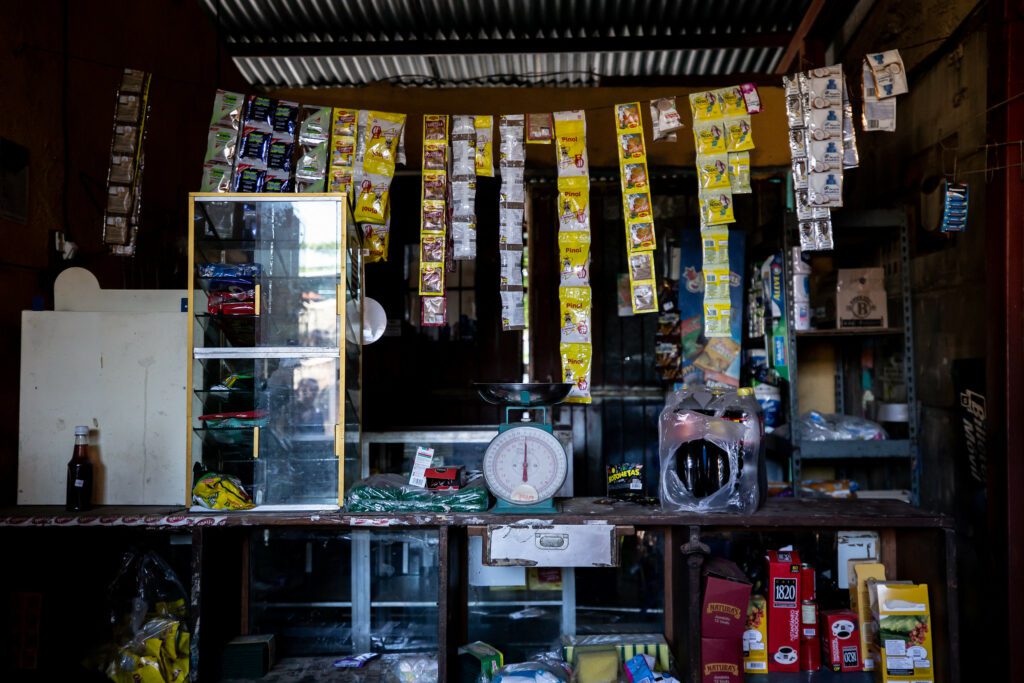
(539, 128)
(574, 294)
(665, 120)
(512, 159)
(954, 213)
(254, 146)
(484, 127)
(221, 141)
(433, 220)
(127, 161)
(463, 176)
(637, 205)
(884, 77)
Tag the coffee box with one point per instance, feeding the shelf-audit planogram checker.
(783, 610)
(726, 596)
(755, 637)
(861, 603)
(902, 649)
(720, 660)
(860, 298)
(840, 641)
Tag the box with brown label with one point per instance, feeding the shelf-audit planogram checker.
(860, 573)
(755, 637)
(783, 610)
(720, 660)
(860, 298)
(840, 640)
(726, 595)
(902, 648)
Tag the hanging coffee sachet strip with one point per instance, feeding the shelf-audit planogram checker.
(512, 159)
(433, 220)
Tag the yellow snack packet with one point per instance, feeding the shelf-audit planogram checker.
(576, 362)
(634, 175)
(573, 200)
(431, 279)
(627, 118)
(705, 106)
(435, 186)
(717, 319)
(715, 245)
(221, 492)
(731, 101)
(432, 217)
(383, 133)
(716, 207)
(570, 144)
(343, 122)
(738, 135)
(713, 170)
(372, 199)
(640, 236)
(638, 206)
(739, 172)
(432, 248)
(343, 151)
(709, 137)
(484, 126)
(716, 283)
(575, 309)
(376, 239)
(574, 257)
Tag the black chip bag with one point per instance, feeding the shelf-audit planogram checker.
(626, 481)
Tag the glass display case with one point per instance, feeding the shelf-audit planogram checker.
(275, 300)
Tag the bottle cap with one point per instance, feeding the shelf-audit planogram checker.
(745, 391)
(81, 430)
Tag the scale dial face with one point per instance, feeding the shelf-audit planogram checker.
(525, 465)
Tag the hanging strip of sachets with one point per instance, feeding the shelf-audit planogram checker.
(121, 216)
(574, 294)
(512, 159)
(433, 220)
(637, 207)
(463, 178)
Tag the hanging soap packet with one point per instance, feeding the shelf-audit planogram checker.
(280, 154)
(221, 146)
(315, 125)
(510, 225)
(751, 98)
(576, 363)
(575, 313)
(825, 155)
(249, 177)
(825, 189)
(284, 118)
(716, 206)
(825, 87)
(889, 73)
(824, 123)
(574, 258)
(255, 144)
(464, 239)
(278, 181)
(511, 132)
(705, 106)
(709, 137)
(739, 172)
(739, 136)
(484, 126)
(713, 171)
(539, 128)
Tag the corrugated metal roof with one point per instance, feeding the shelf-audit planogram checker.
(291, 43)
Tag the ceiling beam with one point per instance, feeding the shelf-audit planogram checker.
(797, 40)
(367, 48)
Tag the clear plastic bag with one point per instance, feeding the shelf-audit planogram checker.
(393, 493)
(538, 671)
(815, 426)
(710, 451)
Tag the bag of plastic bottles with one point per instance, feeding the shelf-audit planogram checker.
(710, 447)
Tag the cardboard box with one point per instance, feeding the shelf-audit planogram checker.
(840, 641)
(853, 545)
(783, 610)
(860, 298)
(726, 596)
(755, 637)
(720, 660)
(902, 649)
(444, 478)
(861, 604)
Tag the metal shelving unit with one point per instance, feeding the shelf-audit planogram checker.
(876, 222)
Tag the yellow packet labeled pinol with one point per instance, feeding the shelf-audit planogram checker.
(484, 126)
(705, 106)
(731, 101)
(627, 118)
(574, 257)
(574, 303)
(738, 135)
(709, 137)
(713, 170)
(716, 283)
(383, 133)
(716, 206)
(576, 362)
(571, 144)
(739, 172)
(573, 200)
(372, 199)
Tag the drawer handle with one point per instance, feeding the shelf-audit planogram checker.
(552, 541)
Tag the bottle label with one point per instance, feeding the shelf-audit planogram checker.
(79, 483)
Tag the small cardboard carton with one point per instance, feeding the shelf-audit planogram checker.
(726, 596)
(783, 610)
(720, 660)
(755, 637)
(861, 604)
(902, 649)
(860, 298)
(840, 641)
(853, 545)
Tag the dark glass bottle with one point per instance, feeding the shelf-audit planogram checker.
(79, 487)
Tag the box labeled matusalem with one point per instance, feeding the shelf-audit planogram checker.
(860, 298)
(783, 610)
(903, 645)
(755, 637)
(840, 640)
(720, 660)
(726, 595)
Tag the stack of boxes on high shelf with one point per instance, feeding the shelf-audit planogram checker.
(778, 626)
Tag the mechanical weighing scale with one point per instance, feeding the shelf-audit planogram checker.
(525, 465)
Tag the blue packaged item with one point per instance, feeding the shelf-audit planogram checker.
(954, 215)
(230, 270)
(638, 670)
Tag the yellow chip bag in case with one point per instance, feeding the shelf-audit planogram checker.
(372, 199)
(627, 117)
(738, 136)
(716, 207)
(575, 308)
(221, 492)
(705, 106)
(739, 172)
(731, 101)
(484, 126)
(383, 133)
(713, 170)
(574, 257)
(709, 137)
(576, 360)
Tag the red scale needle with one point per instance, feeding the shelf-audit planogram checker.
(526, 463)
